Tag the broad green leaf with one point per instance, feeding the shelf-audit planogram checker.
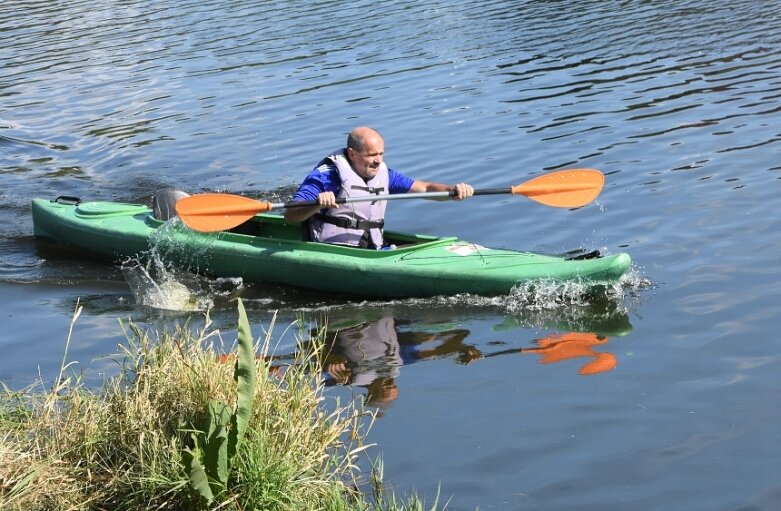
(245, 375)
(197, 475)
(216, 449)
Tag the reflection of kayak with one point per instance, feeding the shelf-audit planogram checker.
(273, 252)
(603, 317)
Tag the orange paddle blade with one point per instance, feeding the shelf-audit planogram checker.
(210, 212)
(564, 188)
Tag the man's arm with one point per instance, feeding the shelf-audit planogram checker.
(317, 186)
(401, 183)
(463, 190)
(301, 214)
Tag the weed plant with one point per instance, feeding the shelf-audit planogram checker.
(137, 442)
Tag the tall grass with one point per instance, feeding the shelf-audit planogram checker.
(125, 445)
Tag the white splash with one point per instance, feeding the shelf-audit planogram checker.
(155, 285)
(156, 282)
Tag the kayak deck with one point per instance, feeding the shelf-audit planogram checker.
(267, 249)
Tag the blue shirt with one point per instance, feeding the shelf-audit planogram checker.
(328, 180)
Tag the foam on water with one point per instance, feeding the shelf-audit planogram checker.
(157, 282)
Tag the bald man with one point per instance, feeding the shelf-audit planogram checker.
(357, 170)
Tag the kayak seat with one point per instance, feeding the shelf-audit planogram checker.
(269, 227)
(249, 228)
(164, 203)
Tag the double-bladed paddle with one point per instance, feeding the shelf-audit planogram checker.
(211, 212)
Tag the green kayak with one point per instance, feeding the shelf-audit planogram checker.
(269, 250)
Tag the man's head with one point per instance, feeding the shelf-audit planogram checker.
(365, 150)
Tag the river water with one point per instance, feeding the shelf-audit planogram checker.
(663, 395)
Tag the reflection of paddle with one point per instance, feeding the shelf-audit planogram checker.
(559, 347)
(602, 363)
(556, 348)
(212, 212)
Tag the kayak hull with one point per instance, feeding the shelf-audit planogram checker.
(273, 252)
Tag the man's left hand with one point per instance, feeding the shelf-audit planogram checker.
(463, 191)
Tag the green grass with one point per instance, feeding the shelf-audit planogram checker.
(69, 447)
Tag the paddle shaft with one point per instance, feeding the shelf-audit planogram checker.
(399, 196)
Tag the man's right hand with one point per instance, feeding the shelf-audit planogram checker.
(324, 200)
(327, 200)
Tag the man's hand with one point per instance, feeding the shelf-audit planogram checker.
(327, 200)
(324, 200)
(463, 191)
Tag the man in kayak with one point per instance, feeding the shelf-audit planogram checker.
(356, 171)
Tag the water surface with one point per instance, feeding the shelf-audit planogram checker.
(492, 399)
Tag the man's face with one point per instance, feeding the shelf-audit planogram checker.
(367, 162)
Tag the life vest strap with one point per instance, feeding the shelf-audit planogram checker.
(376, 190)
(350, 223)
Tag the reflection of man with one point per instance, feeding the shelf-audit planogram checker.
(370, 355)
(556, 348)
(366, 356)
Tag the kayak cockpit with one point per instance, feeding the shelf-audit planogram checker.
(273, 227)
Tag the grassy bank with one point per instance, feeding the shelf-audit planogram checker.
(181, 427)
